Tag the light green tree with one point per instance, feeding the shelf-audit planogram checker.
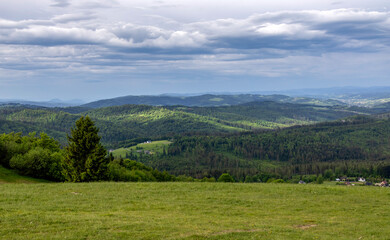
(225, 177)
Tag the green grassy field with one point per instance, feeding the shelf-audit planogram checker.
(153, 147)
(108, 210)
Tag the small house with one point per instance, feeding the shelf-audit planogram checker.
(344, 179)
(361, 180)
(384, 183)
(301, 182)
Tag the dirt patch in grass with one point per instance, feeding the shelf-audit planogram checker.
(304, 227)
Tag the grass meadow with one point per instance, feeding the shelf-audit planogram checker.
(153, 147)
(109, 210)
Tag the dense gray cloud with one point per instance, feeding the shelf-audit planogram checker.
(334, 29)
(101, 38)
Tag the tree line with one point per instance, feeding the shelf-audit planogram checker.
(83, 159)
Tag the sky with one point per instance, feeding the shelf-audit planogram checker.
(89, 50)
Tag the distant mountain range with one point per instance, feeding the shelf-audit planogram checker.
(207, 100)
(337, 92)
(358, 96)
(51, 103)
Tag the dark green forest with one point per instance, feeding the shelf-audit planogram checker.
(358, 146)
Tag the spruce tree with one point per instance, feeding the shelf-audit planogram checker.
(85, 156)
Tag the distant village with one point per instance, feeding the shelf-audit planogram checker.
(353, 182)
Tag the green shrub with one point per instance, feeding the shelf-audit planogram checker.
(295, 179)
(39, 163)
(206, 179)
(328, 174)
(39, 157)
(278, 181)
(248, 179)
(184, 178)
(309, 178)
(270, 180)
(320, 179)
(225, 177)
(131, 171)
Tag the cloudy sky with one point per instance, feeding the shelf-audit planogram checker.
(101, 49)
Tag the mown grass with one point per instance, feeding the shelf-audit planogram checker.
(153, 147)
(108, 210)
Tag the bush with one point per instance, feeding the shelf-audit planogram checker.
(278, 181)
(309, 178)
(295, 179)
(39, 163)
(3, 152)
(117, 173)
(184, 178)
(270, 180)
(320, 179)
(131, 171)
(328, 174)
(39, 157)
(206, 179)
(225, 177)
(248, 179)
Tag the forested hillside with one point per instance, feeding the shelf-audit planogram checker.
(277, 139)
(127, 124)
(354, 147)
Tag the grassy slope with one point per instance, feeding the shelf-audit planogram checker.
(154, 147)
(10, 176)
(193, 211)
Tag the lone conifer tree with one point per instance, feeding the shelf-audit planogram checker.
(85, 156)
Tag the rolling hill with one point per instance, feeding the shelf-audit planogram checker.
(123, 125)
(207, 100)
(355, 146)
